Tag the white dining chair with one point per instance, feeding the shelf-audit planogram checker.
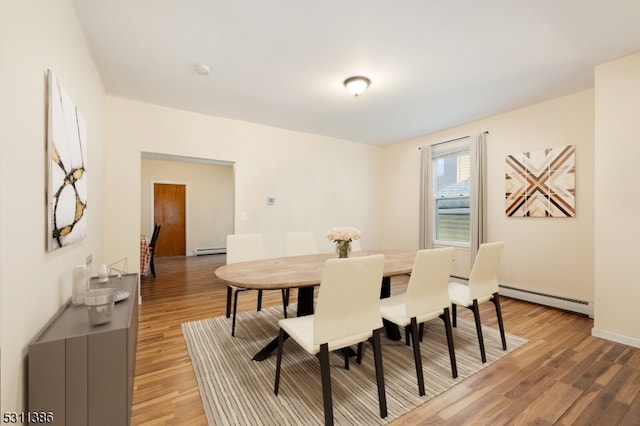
(245, 248)
(483, 287)
(347, 313)
(426, 298)
(152, 248)
(300, 243)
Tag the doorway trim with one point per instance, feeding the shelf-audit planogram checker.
(183, 159)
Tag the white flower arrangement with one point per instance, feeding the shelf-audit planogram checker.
(343, 233)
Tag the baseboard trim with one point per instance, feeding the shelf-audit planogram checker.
(614, 337)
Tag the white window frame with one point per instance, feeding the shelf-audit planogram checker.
(440, 150)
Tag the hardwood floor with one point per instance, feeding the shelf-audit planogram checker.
(562, 376)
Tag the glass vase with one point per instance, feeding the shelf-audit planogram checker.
(343, 247)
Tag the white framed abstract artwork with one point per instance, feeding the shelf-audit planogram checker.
(541, 183)
(66, 169)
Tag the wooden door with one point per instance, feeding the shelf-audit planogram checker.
(169, 211)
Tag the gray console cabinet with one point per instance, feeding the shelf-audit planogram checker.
(83, 374)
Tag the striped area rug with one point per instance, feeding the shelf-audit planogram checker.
(238, 391)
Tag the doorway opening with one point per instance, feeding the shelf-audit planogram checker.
(193, 200)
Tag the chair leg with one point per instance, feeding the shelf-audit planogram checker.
(454, 315)
(229, 297)
(415, 337)
(346, 357)
(285, 300)
(326, 384)
(377, 355)
(259, 307)
(281, 338)
(496, 302)
(476, 316)
(359, 352)
(152, 266)
(407, 333)
(452, 352)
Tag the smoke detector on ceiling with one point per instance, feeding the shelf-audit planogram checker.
(203, 69)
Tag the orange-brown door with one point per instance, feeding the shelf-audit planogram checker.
(169, 211)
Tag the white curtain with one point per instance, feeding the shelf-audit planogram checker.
(426, 195)
(477, 195)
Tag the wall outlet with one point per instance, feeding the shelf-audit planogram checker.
(243, 215)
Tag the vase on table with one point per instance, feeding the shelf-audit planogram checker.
(343, 247)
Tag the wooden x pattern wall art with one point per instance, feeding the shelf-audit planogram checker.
(541, 183)
(67, 174)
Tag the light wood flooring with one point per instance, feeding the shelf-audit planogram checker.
(562, 376)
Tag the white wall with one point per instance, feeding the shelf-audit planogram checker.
(34, 36)
(548, 255)
(317, 182)
(617, 211)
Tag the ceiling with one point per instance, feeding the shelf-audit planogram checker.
(433, 64)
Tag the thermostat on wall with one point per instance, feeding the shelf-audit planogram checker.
(271, 201)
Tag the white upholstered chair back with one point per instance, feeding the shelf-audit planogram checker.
(244, 248)
(428, 288)
(483, 281)
(348, 303)
(300, 243)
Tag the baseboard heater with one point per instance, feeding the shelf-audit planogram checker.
(210, 250)
(564, 303)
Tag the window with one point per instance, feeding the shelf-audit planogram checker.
(451, 168)
(452, 194)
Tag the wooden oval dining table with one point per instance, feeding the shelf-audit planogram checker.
(305, 273)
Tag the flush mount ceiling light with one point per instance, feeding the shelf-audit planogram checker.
(203, 69)
(356, 85)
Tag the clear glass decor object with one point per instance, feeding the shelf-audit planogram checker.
(81, 278)
(100, 304)
(343, 247)
(342, 236)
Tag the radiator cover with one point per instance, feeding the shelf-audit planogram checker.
(564, 303)
(209, 250)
